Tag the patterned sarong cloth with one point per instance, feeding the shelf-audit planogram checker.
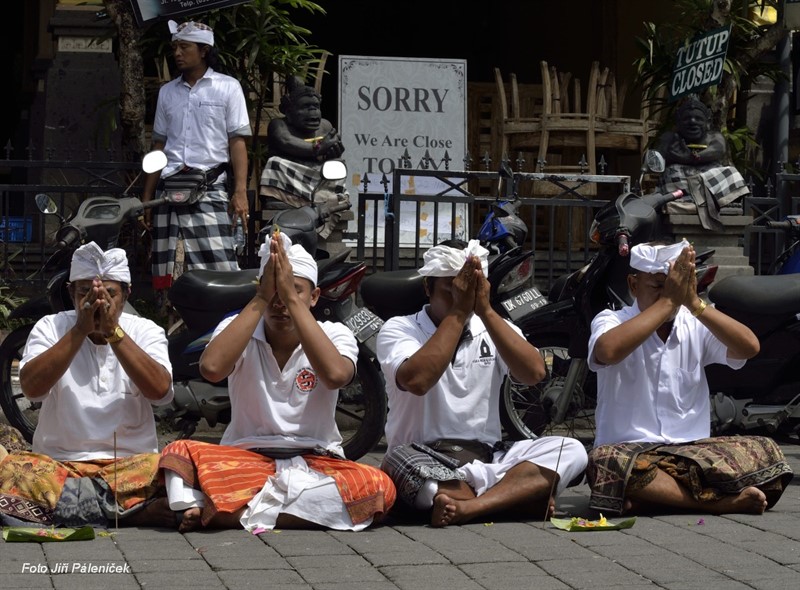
(40, 489)
(230, 477)
(12, 440)
(710, 188)
(709, 468)
(207, 237)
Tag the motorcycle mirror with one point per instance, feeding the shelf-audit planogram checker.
(46, 204)
(154, 161)
(654, 161)
(334, 170)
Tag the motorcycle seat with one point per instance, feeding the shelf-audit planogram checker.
(766, 295)
(215, 290)
(394, 293)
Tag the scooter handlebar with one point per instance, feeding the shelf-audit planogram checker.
(337, 208)
(785, 224)
(622, 245)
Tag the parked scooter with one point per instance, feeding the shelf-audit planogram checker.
(202, 298)
(788, 261)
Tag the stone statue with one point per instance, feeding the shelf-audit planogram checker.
(298, 144)
(697, 162)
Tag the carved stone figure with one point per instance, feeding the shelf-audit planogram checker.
(697, 162)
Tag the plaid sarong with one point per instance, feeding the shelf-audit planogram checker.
(207, 236)
(709, 468)
(409, 468)
(293, 177)
(230, 477)
(33, 486)
(710, 187)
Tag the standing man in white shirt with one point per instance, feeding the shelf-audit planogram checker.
(201, 123)
(652, 447)
(97, 372)
(444, 367)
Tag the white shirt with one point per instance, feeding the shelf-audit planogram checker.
(289, 408)
(95, 397)
(197, 122)
(659, 393)
(464, 403)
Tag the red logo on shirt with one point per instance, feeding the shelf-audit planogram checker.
(306, 380)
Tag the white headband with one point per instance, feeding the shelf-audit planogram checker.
(445, 261)
(191, 31)
(89, 261)
(656, 259)
(303, 264)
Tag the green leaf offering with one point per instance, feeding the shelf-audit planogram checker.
(38, 534)
(582, 524)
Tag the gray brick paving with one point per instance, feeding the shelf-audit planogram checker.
(680, 552)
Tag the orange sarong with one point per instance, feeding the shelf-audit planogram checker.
(230, 477)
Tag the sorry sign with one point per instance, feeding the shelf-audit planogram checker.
(700, 62)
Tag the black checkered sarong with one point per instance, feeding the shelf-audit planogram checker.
(294, 177)
(207, 236)
(710, 187)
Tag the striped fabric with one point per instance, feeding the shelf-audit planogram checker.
(230, 477)
(207, 237)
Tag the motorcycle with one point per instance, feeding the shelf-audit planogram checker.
(788, 261)
(202, 298)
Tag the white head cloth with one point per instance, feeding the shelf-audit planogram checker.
(89, 261)
(191, 31)
(656, 259)
(446, 261)
(303, 264)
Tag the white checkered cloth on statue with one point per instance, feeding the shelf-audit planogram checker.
(293, 177)
(207, 237)
(709, 187)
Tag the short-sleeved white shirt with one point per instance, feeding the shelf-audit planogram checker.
(659, 393)
(196, 122)
(289, 408)
(95, 397)
(464, 402)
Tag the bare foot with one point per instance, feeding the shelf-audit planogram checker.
(749, 501)
(156, 514)
(444, 510)
(191, 520)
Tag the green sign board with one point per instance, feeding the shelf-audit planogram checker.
(699, 63)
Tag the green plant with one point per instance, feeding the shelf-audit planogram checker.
(9, 300)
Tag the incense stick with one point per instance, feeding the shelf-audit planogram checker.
(553, 487)
(116, 503)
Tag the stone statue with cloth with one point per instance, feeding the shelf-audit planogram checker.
(298, 144)
(697, 163)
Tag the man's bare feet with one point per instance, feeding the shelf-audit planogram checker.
(749, 501)
(445, 510)
(156, 514)
(190, 521)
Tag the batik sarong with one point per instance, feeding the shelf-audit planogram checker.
(40, 489)
(709, 468)
(230, 477)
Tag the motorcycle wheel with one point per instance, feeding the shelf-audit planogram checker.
(525, 411)
(20, 412)
(361, 410)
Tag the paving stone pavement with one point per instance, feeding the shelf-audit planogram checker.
(685, 552)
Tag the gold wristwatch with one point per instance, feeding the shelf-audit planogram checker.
(116, 335)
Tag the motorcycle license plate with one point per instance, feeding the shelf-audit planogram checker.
(523, 303)
(363, 324)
